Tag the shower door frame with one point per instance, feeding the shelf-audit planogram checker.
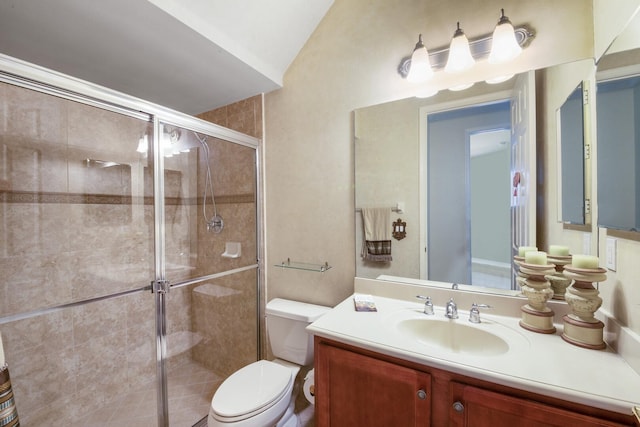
(29, 76)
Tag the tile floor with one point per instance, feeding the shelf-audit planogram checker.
(190, 391)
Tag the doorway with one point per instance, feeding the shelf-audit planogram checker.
(468, 195)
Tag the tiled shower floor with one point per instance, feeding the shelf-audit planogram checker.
(190, 391)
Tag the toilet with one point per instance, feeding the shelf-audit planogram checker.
(260, 394)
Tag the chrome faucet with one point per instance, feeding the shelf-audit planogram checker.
(474, 313)
(428, 305)
(451, 310)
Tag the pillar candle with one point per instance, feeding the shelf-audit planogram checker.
(524, 249)
(556, 250)
(584, 261)
(535, 257)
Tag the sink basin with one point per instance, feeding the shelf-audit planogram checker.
(453, 336)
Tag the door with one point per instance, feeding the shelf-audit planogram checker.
(523, 164)
(476, 407)
(450, 184)
(76, 255)
(208, 295)
(123, 300)
(357, 390)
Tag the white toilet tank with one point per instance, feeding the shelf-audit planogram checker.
(286, 323)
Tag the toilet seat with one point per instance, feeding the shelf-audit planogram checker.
(251, 390)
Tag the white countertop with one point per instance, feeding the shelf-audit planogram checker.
(539, 363)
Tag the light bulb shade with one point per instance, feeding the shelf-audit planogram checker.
(460, 58)
(504, 46)
(143, 144)
(426, 92)
(460, 87)
(420, 69)
(499, 79)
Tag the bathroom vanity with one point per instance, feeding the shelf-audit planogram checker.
(398, 366)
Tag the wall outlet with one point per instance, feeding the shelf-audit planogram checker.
(611, 254)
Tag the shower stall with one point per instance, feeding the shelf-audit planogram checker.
(129, 251)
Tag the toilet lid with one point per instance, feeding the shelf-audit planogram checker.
(253, 387)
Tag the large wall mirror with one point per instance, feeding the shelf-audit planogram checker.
(389, 171)
(618, 106)
(456, 191)
(618, 133)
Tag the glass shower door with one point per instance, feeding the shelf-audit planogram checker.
(128, 252)
(210, 263)
(76, 258)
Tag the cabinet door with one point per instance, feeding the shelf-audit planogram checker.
(357, 390)
(476, 407)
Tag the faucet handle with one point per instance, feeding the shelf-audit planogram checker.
(428, 305)
(474, 313)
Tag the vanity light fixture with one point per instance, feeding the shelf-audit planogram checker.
(460, 58)
(504, 46)
(420, 70)
(497, 47)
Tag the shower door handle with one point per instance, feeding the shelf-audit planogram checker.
(160, 286)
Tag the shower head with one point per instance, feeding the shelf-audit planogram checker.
(215, 223)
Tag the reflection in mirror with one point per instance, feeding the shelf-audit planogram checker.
(571, 150)
(618, 105)
(388, 170)
(385, 176)
(391, 167)
(468, 195)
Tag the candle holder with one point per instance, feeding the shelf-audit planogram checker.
(536, 316)
(581, 328)
(558, 280)
(520, 277)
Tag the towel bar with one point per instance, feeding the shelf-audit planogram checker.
(396, 209)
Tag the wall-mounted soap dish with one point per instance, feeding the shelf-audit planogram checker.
(232, 250)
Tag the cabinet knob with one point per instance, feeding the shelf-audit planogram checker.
(422, 394)
(458, 407)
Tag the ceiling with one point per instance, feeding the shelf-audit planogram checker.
(189, 55)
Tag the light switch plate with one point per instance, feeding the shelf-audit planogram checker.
(611, 254)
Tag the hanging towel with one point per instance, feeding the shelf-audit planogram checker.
(377, 234)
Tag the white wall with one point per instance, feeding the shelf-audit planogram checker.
(350, 62)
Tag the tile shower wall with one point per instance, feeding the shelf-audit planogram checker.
(77, 223)
(244, 116)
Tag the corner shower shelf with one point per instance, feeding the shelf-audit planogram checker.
(321, 268)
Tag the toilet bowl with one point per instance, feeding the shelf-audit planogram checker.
(260, 394)
(257, 395)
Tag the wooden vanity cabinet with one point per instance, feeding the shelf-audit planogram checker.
(358, 390)
(478, 407)
(358, 387)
